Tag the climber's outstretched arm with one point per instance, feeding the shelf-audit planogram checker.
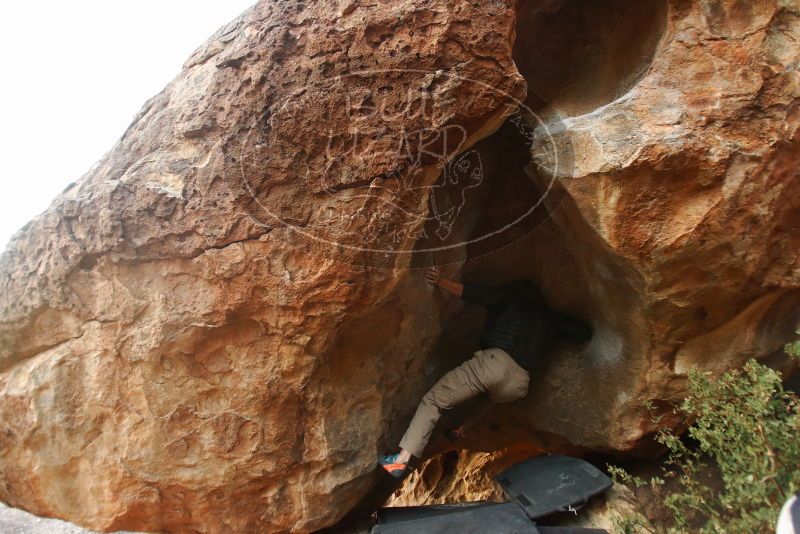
(486, 296)
(482, 295)
(434, 276)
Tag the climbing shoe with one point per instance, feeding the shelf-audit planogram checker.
(392, 466)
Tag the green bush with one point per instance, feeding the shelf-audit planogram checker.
(628, 524)
(794, 348)
(745, 433)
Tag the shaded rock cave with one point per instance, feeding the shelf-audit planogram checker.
(519, 223)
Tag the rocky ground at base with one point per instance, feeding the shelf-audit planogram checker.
(14, 521)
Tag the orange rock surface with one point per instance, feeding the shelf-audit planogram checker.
(219, 326)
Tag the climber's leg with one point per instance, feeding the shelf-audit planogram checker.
(487, 372)
(512, 384)
(514, 380)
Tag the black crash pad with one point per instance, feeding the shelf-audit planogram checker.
(571, 530)
(549, 484)
(538, 487)
(474, 517)
(409, 513)
(468, 518)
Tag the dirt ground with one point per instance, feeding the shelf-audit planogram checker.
(13, 521)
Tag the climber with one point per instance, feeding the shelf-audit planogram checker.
(519, 327)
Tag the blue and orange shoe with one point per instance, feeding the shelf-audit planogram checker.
(392, 466)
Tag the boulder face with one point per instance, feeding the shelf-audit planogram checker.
(220, 325)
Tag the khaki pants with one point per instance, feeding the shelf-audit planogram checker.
(490, 371)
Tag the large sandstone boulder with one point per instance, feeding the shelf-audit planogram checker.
(219, 326)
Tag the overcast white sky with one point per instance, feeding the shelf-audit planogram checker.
(74, 73)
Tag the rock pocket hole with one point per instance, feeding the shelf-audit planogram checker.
(578, 55)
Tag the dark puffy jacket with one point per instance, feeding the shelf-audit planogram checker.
(520, 322)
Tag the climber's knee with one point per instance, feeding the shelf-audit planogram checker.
(454, 388)
(436, 399)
